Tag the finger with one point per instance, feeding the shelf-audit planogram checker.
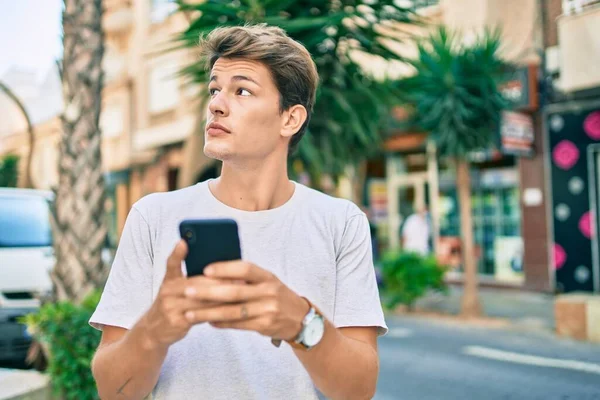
(174, 261)
(177, 286)
(257, 324)
(230, 312)
(180, 305)
(238, 270)
(224, 292)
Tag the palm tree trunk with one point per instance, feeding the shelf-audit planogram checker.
(359, 181)
(470, 307)
(31, 134)
(78, 214)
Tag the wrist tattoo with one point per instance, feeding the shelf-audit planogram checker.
(120, 391)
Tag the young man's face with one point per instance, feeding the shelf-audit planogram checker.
(244, 122)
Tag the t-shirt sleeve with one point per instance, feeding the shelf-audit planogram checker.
(128, 291)
(357, 300)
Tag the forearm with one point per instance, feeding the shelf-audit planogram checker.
(341, 367)
(128, 368)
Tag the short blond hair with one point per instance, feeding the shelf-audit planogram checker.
(291, 66)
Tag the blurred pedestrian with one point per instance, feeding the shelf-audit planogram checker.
(416, 232)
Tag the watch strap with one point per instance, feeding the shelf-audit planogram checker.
(312, 313)
(294, 343)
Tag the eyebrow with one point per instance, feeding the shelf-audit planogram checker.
(237, 78)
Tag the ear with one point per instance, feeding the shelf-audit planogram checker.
(293, 119)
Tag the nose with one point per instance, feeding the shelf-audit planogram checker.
(218, 105)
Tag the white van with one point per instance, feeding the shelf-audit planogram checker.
(26, 259)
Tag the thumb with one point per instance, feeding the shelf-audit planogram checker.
(174, 261)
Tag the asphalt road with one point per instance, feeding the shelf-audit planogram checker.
(427, 359)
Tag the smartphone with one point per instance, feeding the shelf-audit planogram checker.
(209, 241)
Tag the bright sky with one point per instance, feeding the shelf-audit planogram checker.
(30, 34)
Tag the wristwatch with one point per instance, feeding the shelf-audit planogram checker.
(313, 328)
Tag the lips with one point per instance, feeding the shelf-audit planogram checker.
(215, 129)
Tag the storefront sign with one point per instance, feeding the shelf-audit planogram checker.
(508, 254)
(516, 133)
(532, 197)
(498, 177)
(519, 88)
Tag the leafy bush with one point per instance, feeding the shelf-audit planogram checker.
(408, 276)
(9, 170)
(63, 330)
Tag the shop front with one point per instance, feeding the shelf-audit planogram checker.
(496, 220)
(573, 137)
(510, 251)
(415, 181)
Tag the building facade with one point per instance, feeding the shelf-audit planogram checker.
(508, 185)
(535, 200)
(571, 131)
(151, 121)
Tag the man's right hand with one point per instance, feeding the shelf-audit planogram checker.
(144, 347)
(165, 322)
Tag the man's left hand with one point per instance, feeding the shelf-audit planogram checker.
(261, 303)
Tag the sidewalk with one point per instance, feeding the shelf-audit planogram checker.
(526, 310)
(18, 384)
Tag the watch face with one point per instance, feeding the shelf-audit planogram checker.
(313, 332)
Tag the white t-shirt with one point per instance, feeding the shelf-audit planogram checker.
(416, 234)
(317, 245)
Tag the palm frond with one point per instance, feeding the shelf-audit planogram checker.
(454, 93)
(352, 109)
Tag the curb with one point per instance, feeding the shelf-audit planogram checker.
(23, 385)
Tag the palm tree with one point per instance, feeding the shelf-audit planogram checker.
(30, 132)
(352, 108)
(454, 96)
(78, 214)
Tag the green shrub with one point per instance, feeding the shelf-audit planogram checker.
(408, 276)
(63, 330)
(9, 170)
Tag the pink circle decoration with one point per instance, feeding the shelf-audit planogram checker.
(560, 256)
(565, 154)
(585, 225)
(591, 125)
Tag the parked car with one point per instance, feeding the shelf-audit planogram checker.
(26, 259)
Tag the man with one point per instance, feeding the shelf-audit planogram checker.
(306, 278)
(416, 232)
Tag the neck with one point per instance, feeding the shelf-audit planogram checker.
(259, 187)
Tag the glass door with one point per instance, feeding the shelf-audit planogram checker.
(406, 194)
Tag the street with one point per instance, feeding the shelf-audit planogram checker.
(425, 359)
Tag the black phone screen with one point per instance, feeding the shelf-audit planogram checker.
(209, 241)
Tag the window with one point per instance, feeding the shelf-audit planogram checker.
(111, 120)
(161, 9)
(164, 91)
(113, 63)
(24, 222)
